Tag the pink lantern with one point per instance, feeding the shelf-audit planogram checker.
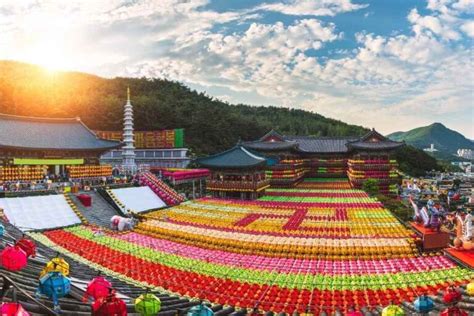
(12, 309)
(97, 288)
(13, 258)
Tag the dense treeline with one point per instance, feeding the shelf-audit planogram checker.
(210, 124)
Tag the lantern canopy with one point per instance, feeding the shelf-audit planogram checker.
(56, 264)
(97, 288)
(452, 295)
(54, 285)
(28, 246)
(12, 309)
(147, 304)
(200, 310)
(13, 258)
(393, 310)
(470, 289)
(453, 311)
(108, 306)
(354, 313)
(424, 304)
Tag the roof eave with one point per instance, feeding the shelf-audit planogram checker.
(70, 149)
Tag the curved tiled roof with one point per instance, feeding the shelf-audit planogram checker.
(236, 157)
(310, 144)
(322, 145)
(274, 145)
(374, 141)
(49, 133)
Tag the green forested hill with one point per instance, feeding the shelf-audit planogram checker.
(210, 125)
(445, 140)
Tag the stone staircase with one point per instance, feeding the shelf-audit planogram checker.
(99, 213)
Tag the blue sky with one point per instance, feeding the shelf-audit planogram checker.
(393, 65)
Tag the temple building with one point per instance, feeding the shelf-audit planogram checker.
(236, 173)
(289, 159)
(31, 147)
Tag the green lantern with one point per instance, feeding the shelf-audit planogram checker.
(147, 304)
(393, 310)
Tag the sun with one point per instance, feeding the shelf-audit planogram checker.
(46, 41)
(48, 54)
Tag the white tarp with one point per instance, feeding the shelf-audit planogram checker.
(138, 199)
(39, 212)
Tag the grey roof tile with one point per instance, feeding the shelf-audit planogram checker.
(48, 133)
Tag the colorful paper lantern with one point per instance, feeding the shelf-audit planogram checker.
(424, 304)
(452, 295)
(470, 289)
(147, 304)
(453, 311)
(97, 288)
(13, 258)
(109, 306)
(56, 264)
(28, 246)
(54, 285)
(200, 310)
(393, 310)
(12, 309)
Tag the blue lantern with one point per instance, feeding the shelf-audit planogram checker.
(200, 310)
(424, 304)
(54, 285)
(2, 229)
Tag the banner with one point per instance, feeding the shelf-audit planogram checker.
(172, 138)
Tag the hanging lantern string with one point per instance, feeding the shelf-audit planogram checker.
(22, 291)
(183, 267)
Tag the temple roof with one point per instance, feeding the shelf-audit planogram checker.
(271, 145)
(373, 140)
(236, 157)
(273, 141)
(24, 132)
(310, 144)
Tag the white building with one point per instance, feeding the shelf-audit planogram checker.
(431, 149)
(465, 153)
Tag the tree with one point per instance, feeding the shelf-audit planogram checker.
(371, 186)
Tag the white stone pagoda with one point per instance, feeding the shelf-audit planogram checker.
(128, 150)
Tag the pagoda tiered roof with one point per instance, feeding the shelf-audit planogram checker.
(35, 133)
(237, 157)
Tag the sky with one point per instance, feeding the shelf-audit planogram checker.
(389, 64)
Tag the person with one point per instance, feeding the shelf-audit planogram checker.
(468, 226)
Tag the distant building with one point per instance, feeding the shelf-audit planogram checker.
(465, 153)
(431, 149)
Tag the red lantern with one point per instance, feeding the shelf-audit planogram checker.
(28, 246)
(12, 309)
(99, 287)
(13, 258)
(453, 311)
(109, 306)
(451, 295)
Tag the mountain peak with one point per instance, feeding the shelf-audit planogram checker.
(437, 124)
(444, 139)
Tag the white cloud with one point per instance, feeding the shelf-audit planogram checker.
(387, 81)
(312, 7)
(468, 28)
